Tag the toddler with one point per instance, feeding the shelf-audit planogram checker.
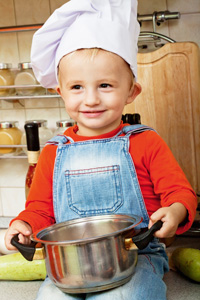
(87, 51)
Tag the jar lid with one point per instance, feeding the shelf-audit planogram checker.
(9, 124)
(41, 123)
(25, 65)
(5, 66)
(65, 123)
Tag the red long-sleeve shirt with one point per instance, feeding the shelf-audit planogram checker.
(161, 179)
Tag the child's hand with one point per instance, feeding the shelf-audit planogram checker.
(18, 227)
(171, 217)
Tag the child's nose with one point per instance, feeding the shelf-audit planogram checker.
(91, 97)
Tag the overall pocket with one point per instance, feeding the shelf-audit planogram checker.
(94, 191)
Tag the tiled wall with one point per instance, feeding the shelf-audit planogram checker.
(15, 47)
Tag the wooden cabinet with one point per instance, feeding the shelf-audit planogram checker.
(170, 101)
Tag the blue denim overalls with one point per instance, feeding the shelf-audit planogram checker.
(98, 177)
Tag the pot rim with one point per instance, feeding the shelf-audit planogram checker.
(136, 220)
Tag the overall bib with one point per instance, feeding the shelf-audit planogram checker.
(99, 177)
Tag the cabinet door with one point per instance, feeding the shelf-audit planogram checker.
(170, 102)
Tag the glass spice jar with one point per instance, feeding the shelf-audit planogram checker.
(10, 134)
(25, 76)
(6, 78)
(62, 125)
(52, 91)
(44, 133)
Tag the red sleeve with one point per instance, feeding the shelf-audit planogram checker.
(39, 205)
(161, 179)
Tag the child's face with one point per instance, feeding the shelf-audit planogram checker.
(96, 90)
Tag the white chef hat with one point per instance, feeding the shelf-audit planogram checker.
(108, 24)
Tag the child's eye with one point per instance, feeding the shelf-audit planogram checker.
(76, 87)
(105, 85)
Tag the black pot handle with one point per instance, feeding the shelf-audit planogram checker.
(27, 251)
(142, 240)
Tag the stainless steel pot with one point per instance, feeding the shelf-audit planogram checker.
(90, 254)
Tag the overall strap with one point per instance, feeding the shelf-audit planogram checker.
(137, 128)
(59, 140)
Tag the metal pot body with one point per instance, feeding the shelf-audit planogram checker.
(88, 254)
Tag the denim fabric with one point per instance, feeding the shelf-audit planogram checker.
(99, 177)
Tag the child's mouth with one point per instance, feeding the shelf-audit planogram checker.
(93, 114)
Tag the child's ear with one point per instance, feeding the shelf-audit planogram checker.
(58, 89)
(134, 92)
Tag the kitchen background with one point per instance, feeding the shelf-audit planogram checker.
(15, 48)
